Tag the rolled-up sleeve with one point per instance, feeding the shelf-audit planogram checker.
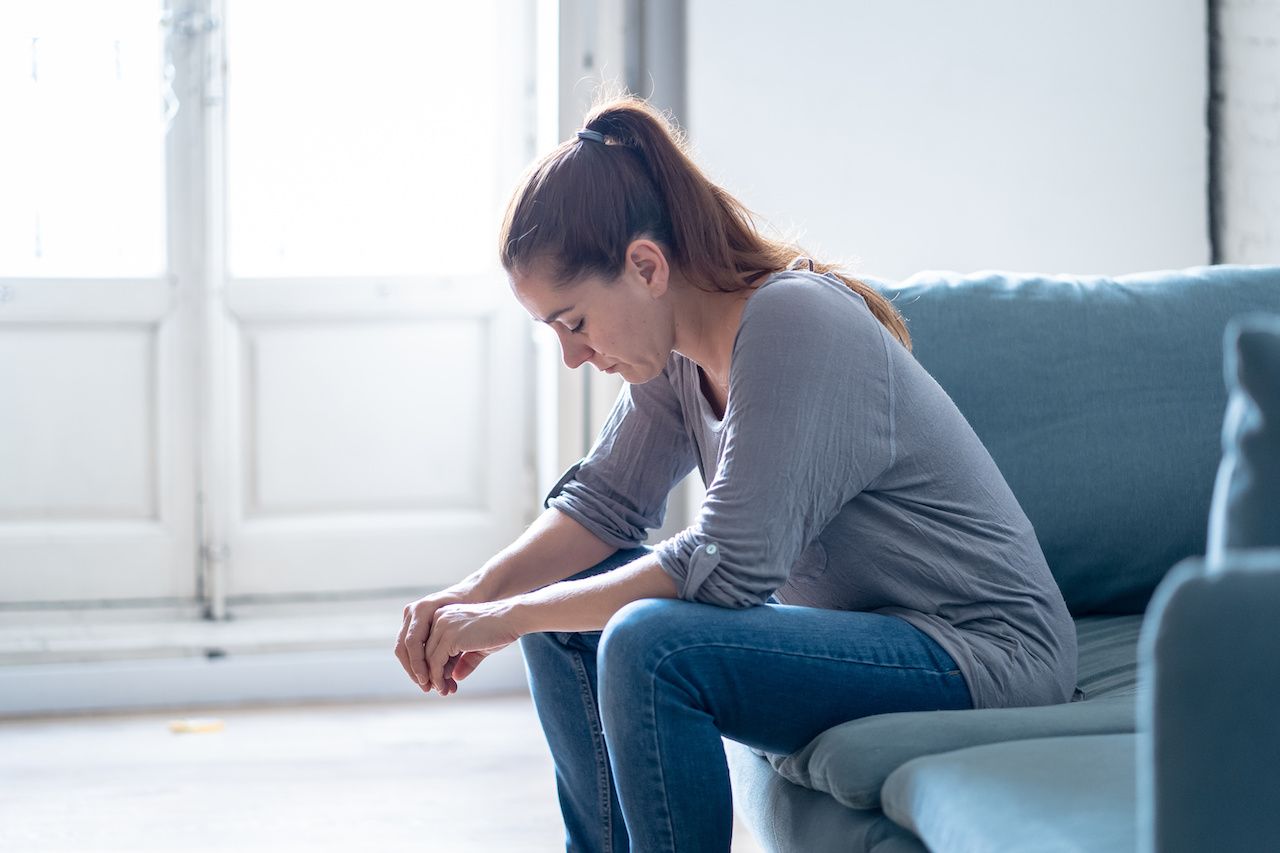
(619, 490)
(809, 426)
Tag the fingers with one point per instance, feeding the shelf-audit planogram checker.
(411, 650)
(450, 683)
(414, 638)
(415, 645)
(435, 655)
(401, 649)
(466, 664)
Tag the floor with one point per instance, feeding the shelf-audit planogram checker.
(438, 774)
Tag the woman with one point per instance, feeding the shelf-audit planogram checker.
(858, 552)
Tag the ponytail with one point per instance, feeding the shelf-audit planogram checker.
(576, 211)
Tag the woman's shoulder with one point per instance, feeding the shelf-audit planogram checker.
(811, 300)
(801, 324)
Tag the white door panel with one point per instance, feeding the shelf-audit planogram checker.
(385, 449)
(96, 480)
(82, 406)
(363, 417)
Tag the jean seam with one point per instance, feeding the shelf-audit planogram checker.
(657, 737)
(597, 739)
(737, 647)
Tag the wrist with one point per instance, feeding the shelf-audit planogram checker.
(469, 590)
(523, 615)
(488, 583)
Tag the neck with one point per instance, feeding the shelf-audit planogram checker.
(706, 324)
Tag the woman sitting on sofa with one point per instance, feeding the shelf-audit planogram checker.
(858, 551)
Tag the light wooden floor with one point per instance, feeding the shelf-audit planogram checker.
(458, 773)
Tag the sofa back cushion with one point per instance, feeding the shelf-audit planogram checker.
(1101, 401)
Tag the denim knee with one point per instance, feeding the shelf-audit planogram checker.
(635, 630)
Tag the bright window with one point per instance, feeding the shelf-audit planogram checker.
(362, 139)
(82, 144)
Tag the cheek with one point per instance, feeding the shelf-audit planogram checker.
(652, 325)
(614, 342)
(628, 337)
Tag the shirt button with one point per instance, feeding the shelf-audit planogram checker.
(711, 549)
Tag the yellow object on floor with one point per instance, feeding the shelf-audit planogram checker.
(195, 725)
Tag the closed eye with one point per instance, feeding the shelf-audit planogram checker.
(578, 328)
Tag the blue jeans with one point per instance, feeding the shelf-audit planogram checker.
(634, 713)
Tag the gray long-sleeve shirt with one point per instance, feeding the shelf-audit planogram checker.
(843, 477)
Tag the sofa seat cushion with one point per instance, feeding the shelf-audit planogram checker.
(1069, 793)
(852, 760)
(1107, 648)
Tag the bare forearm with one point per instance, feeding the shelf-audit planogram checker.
(587, 604)
(553, 548)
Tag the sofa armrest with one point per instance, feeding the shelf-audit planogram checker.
(1208, 750)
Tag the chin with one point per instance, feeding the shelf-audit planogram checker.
(643, 380)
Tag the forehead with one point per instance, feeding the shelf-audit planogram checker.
(531, 282)
(536, 292)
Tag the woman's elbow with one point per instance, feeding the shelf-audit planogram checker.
(726, 590)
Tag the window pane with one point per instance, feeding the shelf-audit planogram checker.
(361, 141)
(82, 149)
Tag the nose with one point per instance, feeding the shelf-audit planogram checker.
(575, 354)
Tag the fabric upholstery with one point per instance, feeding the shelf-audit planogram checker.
(1209, 742)
(851, 761)
(1108, 655)
(1100, 399)
(788, 818)
(1245, 512)
(1067, 793)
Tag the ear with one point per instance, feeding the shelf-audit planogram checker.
(646, 259)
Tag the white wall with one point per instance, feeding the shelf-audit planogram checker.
(1249, 127)
(1052, 137)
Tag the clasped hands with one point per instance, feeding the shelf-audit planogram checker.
(446, 635)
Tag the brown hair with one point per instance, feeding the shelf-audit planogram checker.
(577, 209)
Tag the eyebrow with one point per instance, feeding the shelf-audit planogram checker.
(555, 314)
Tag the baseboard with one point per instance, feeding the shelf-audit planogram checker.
(235, 679)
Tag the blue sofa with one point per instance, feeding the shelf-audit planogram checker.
(1102, 400)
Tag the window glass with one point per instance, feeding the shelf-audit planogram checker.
(82, 143)
(361, 137)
